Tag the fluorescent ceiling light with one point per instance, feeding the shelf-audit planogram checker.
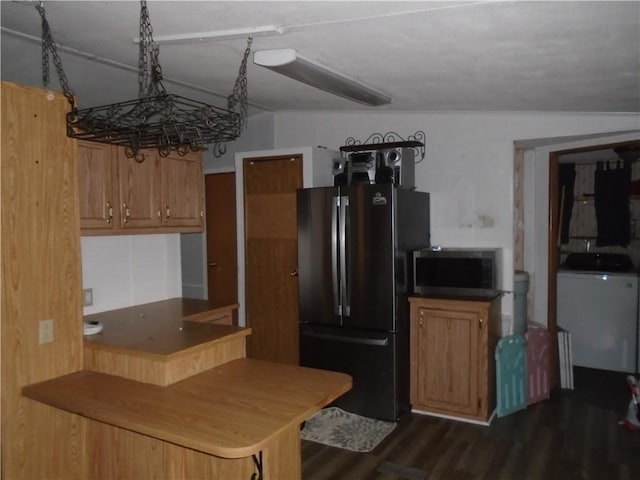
(217, 35)
(290, 63)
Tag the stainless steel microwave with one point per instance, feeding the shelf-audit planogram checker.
(458, 272)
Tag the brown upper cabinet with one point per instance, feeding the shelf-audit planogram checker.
(121, 196)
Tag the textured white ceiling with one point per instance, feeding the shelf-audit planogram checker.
(544, 56)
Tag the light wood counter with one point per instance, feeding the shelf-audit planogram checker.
(233, 411)
(159, 328)
(163, 342)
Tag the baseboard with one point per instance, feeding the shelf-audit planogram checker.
(458, 419)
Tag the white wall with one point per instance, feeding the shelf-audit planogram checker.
(468, 169)
(126, 270)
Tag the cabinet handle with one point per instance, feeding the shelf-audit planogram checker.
(481, 322)
(127, 212)
(110, 210)
(159, 213)
(167, 211)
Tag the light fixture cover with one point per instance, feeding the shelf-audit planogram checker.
(217, 35)
(290, 63)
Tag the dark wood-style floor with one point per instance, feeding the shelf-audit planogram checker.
(574, 435)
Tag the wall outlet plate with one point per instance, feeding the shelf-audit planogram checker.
(87, 297)
(45, 331)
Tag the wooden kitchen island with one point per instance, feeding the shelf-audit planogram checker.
(238, 418)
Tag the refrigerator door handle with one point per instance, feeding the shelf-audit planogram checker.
(337, 308)
(344, 284)
(378, 342)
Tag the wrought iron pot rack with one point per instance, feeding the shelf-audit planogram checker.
(156, 119)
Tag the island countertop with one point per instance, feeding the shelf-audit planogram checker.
(161, 328)
(231, 411)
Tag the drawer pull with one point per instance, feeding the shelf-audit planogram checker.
(127, 212)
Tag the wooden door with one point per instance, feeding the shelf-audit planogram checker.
(182, 190)
(139, 190)
(222, 255)
(271, 284)
(448, 358)
(97, 171)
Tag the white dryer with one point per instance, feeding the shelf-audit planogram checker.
(600, 310)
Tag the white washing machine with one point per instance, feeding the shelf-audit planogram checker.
(601, 312)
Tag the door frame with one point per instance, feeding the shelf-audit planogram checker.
(541, 232)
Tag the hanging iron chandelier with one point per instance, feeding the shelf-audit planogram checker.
(155, 119)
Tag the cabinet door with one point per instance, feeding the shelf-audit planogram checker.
(447, 355)
(182, 190)
(98, 198)
(139, 190)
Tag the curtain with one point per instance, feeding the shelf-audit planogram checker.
(567, 178)
(611, 190)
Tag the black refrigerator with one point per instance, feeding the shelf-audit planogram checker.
(355, 248)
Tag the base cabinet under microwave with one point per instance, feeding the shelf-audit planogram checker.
(461, 385)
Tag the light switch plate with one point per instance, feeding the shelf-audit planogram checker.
(87, 297)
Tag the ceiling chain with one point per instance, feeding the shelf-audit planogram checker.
(49, 47)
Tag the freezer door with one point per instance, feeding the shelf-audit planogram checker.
(370, 277)
(375, 360)
(318, 272)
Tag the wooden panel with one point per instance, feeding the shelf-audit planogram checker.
(119, 453)
(280, 457)
(97, 170)
(273, 300)
(164, 370)
(264, 224)
(210, 316)
(182, 463)
(40, 280)
(449, 357)
(220, 318)
(267, 175)
(182, 190)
